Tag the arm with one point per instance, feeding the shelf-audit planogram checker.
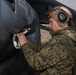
(48, 55)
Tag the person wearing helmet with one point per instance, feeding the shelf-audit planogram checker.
(56, 56)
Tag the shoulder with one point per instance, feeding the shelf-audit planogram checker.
(60, 38)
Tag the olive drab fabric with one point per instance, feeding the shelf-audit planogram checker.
(75, 54)
(56, 57)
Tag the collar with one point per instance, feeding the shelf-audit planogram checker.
(70, 32)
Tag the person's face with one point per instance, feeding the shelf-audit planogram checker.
(53, 25)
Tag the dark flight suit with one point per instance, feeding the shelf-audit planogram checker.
(56, 56)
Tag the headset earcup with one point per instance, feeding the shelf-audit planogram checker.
(62, 16)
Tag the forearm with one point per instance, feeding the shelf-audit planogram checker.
(47, 55)
(39, 60)
(31, 56)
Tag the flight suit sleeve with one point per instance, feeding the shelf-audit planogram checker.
(49, 54)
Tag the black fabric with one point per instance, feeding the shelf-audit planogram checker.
(12, 61)
(0, 13)
(16, 65)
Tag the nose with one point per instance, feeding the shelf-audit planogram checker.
(49, 25)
